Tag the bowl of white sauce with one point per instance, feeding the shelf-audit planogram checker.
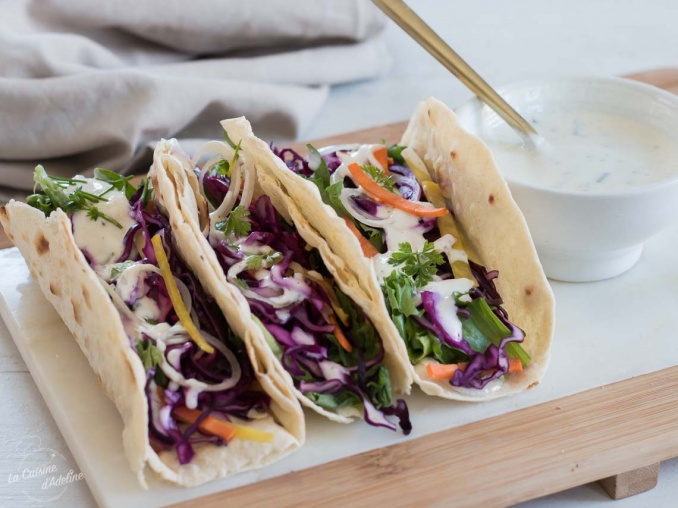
(605, 177)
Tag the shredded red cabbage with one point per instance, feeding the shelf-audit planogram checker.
(405, 182)
(302, 361)
(193, 362)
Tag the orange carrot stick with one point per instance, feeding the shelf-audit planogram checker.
(444, 371)
(369, 250)
(209, 424)
(381, 154)
(339, 335)
(515, 365)
(374, 189)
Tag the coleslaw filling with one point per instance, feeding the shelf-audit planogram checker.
(301, 311)
(115, 239)
(442, 317)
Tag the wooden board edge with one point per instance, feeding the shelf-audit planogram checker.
(534, 452)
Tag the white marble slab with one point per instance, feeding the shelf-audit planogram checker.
(610, 330)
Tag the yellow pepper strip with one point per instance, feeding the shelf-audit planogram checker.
(217, 427)
(175, 296)
(250, 434)
(447, 223)
(416, 165)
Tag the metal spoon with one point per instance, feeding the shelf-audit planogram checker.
(408, 20)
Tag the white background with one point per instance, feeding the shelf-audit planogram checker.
(505, 40)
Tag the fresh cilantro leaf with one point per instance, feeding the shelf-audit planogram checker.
(117, 181)
(93, 213)
(421, 265)
(387, 182)
(56, 196)
(236, 222)
(118, 268)
(150, 355)
(256, 261)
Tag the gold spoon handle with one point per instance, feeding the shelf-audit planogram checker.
(408, 20)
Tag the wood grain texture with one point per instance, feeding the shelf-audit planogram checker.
(496, 462)
(632, 482)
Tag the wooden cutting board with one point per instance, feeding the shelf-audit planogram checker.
(608, 433)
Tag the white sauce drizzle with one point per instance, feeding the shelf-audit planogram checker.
(103, 241)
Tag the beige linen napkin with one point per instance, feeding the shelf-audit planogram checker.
(85, 84)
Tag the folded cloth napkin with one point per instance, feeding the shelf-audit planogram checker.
(85, 84)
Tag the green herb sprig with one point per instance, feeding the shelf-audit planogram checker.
(256, 261)
(236, 222)
(421, 266)
(387, 182)
(55, 195)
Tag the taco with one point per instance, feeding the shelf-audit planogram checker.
(304, 321)
(429, 229)
(195, 403)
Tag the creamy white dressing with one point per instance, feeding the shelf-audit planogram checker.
(448, 287)
(102, 240)
(399, 227)
(585, 150)
(447, 316)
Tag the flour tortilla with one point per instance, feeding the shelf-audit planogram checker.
(78, 295)
(466, 172)
(173, 171)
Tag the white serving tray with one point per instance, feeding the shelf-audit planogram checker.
(606, 332)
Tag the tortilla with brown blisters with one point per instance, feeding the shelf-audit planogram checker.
(77, 294)
(486, 212)
(171, 172)
(481, 201)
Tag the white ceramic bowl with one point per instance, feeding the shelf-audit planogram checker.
(586, 236)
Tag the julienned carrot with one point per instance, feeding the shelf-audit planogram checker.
(515, 365)
(209, 424)
(224, 430)
(381, 154)
(369, 250)
(377, 191)
(444, 371)
(339, 335)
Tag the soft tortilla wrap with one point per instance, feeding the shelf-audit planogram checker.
(77, 294)
(174, 176)
(466, 171)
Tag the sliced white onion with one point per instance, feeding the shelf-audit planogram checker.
(382, 223)
(231, 196)
(248, 187)
(205, 169)
(194, 384)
